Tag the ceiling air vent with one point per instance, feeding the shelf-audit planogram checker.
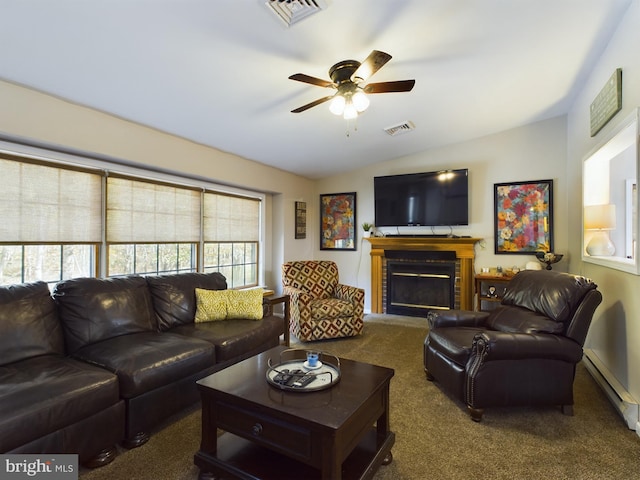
(399, 129)
(292, 11)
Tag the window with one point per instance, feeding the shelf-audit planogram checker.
(237, 261)
(50, 221)
(60, 221)
(46, 204)
(151, 228)
(231, 235)
(151, 259)
(610, 200)
(49, 263)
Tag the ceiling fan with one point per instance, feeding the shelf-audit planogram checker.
(348, 79)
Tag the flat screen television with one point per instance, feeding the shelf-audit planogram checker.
(422, 199)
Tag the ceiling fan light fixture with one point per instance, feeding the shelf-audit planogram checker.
(347, 77)
(360, 101)
(337, 105)
(350, 111)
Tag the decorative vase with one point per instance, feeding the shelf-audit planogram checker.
(549, 258)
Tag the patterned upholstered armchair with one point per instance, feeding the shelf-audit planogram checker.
(321, 307)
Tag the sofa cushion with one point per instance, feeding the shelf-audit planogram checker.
(520, 320)
(29, 324)
(233, 338)
(148, 360)
(553, 294)
(43, 394)
(331, 308)
(95, 309)
(174, 297)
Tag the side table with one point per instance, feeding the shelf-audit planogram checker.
(489, 290)
(285, 300)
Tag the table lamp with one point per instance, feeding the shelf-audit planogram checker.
(601, 219)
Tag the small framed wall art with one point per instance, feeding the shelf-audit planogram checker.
(301, 220)
(338, 221)
(523, 217)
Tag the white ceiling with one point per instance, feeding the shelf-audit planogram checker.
(215, 71)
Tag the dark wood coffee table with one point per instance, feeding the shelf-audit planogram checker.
(340, 432)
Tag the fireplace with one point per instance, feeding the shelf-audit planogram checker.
(415, 287)
(457, 250)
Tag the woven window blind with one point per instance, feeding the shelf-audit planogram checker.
(43, 204)
(144, 212)
(231, 219)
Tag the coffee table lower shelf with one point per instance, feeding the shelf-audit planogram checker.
(243, 459)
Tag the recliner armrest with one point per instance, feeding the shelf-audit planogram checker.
(494, 345)
(456, 318)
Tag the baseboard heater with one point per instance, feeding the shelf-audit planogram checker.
(621, 399)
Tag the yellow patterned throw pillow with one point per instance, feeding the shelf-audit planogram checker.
(245, 303)
(211, 305)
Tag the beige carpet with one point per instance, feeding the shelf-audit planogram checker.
(434, 436)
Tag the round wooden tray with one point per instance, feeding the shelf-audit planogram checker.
(325, 376)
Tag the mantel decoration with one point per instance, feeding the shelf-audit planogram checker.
(367, 228)
(523, 217)
(338, 221)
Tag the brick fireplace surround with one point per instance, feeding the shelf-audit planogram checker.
(463, 248)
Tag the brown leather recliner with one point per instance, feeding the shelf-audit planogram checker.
(522, 353)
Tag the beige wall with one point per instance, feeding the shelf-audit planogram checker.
(532, 152)
(615, 332)
(30, 115)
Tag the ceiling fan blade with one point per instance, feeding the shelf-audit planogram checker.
(374, 62)
(301, 77)
(387, 87)
(312, 104)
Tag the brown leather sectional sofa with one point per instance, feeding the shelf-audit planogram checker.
(103, 361)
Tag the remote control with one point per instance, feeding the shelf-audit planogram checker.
(283, 377)
(304, 380)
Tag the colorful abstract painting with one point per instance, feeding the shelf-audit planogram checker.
(524, 217)
(338, 221)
